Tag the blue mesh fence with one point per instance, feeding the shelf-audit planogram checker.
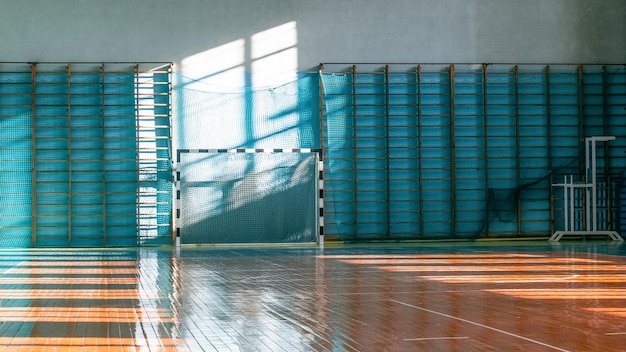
(218, 204)
(15, 158)
(77, 129)
(285, 116)
(463, 151)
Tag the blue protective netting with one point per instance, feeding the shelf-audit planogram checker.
(15, 160)
(81, 155)
(271, 197)
(286, 116)
(444, 153)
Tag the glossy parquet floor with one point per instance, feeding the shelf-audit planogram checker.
(482, 296)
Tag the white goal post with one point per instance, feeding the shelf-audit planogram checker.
(243, 195)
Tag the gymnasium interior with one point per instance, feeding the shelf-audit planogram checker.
(348, 175)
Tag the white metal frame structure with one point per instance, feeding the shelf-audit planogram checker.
(589, 184)
(319, 189)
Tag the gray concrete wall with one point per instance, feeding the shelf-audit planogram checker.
(420, 31)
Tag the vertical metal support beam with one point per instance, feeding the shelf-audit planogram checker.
(549, 144)
(581, 116)
(486, 152)
(69, 153)
(581, 141)
(33, 141)
(322, 152)
(387, 154)
(518, 206)
(355, 155)
(137, 158)
(607, 154)
(103, 157)
(170, 148)
(452, 152)
(420, 175)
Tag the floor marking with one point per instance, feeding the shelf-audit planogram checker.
(437, 338)
(615, 333)
(480, 325)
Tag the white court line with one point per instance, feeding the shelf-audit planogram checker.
(437, 338)
(481, 325)
(615, 333)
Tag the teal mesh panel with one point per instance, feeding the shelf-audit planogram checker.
(502, 154)
(470, 157)
(86, 166)
(85, 122)
(280, 117)
(533, 155)
(52, 130)
(615, 111)
(339, 133)
(469, 162)
(403, 151)
(120, 160)
(370, 151)
(15, 158)
(78, 148)
(436, 154)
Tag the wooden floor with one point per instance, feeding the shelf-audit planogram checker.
(481, 296)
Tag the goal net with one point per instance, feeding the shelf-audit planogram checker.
(243, 196)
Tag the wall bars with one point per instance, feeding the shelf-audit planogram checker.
(85, 158)
(463, 151)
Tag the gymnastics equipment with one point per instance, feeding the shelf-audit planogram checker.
(588, 210)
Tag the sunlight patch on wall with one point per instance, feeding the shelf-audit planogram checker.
(222, 67)
(274, 55)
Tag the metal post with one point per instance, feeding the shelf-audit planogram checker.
(69, 153)
(33, 141)
(607, 166)
(594, 188)
(387, 154)
(321, 169)
(104, 183)
(486, 140)
(420, 152)
(517, 153)
(452, 153)
(549, 144)
(355, 155)
(138, 208)
(565, 205)
(581, 107)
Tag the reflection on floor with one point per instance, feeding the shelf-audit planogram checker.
(412, 297)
